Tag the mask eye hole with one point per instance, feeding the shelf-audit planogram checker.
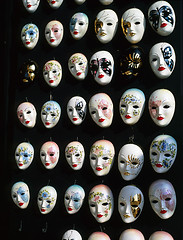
(25, 155)
(154, 153)
(105, 204)
(40, 199)
(153, 107)
(76, 200)
(167, 155)
(28, 112)
(70, 109)
(51, 154)
(68, 156)
(122, 204)
(48, 201)
(137, 23)
(93, 112)
(134, 163)
(81, 63)
(53, 114)
(123, 105)
(92, 205)
(81, 23)
(135, 106)
(154, 201)
(104, 108)
(166, 106)
(93, 158)
(77, 155)
(154, 59)
(167, 199)
(122, 161)
(67, 198)
(109, 24)
(105, 158)
(14, 195)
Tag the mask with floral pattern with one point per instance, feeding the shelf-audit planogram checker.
(30, 35)
(52, 73)
(54, 33)
(20, 194)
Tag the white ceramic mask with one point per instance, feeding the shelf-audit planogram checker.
(131, 234)
(31, 5)
(162, 59)
(52, 73)
(71, 235)
(24, 155)
(50, 114)
(101, 157)
(106, 2)
(162, 197)
(20, 194)
(75, 154)
(162, 18)
(49, 154)
(161, 235)
(131, 105)
(102, 67)
(78, 25)
(73, 199)
(55, 4)
(133, 25)
(78, 66)
(54, 33)
(101, 203)
(106, 24)
(101, 109)
(162, 107)
(30, 35)
(27, 114)
(46, 199)
(130, 203)
(130, 161)
(99, 236)
(76, 110)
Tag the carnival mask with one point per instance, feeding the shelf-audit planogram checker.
(101, 203)
(102, 67)
(28, 71)
(71, 235)
(101, 109)
(106, 2)
(99, 236)
(46, 199)
(162, 59)
(31, 5)
(162, 197)
(27, 114)
(55, 4)
(131, 234)
(161, 235)
(106, 24)
(130, 203)
(54, 33)
(30, 35)
(20, 194)
(52, 73)
(133, 25)
(132, 105)
(162, 107)
(78, 25)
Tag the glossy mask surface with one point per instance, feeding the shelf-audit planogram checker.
(102, 67)
(106, 2)
(52, 73)
(131, 234)
(71, 234)
(133, 25)
(131, 105)
(161, 235)
(27, 114)
(20, 194)
(31, 5)
(28, 71)
(162, 18)
(106, 24)
(101, 203)
(162, 59)
(130, 203)
(30, 35)
(162, 107)
(55, 4)
(78, 25)
(162, 197)
(101, 157)
(99, 236)
(54, 33)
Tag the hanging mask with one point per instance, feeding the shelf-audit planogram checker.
(162, 197)
(28, 72)
(106, 2)
(75, 154)
(46, 199)
(101, 203)
(106, 25)
(49, 154)
(30, 35)
(24, 155)
(73, 199)
(52, 73)
(130, 203)
(133, 24)
(132, 105)
(31, 5)
(130, 161)
(101, 157)
(78, 25)
(55, 4)
(162, 59)
(161, 235)
(99, 236)
(131, 234)
(102, 67)
(162, 18)
(20, 194)
(71, 235)
(27, 114)
(161, 107)
(54, 33)
(50, 114)
(101, 109)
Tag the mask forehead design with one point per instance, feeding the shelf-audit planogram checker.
(55, 4)
(54, 33)
(99, 236)
(106, 2)
(161, 235)
(20, 194)
(52, 73)
(27, 114)
(28, 71)
(30, 35)
(131, 234)
(31, 5)
(71, 234)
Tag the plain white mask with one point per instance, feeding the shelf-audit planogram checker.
(71, 234)
(30, 35)
(54, 33)
(55, 4)
(131, 234)
(52, 73)
(99, 236)
(20, 194)
(27, 114)
(161, 235)
(78, 25)
(31, 5)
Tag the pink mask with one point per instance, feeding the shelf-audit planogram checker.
(131, 234)
(161, 235)
(99, 236)
(27, 114)
(54, 33)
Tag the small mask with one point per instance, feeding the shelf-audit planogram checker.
(106, 24)
(20, 194)
(75, 154)
(49, 154)
(130, 161)
(54, 33)
(27, 114)
(101, 157)
(102, 67)
(78, 66)
(161, 107)
(131, 234)
(101, 203)
(71, 234)
(50, 114)
(130, 203)
(133, 25)
(162, 197)
(76, 110)
(132, 105)
(78, 25)
(52, 73)
(46, 199)
(73, 199)
(101, 109)
(162, 18)
(99, 236)
(31, 5)
(162, 59)
(24, 155)
(161, 235)
(28, 71)
(105, 2)
(55, 4)
(30, 35)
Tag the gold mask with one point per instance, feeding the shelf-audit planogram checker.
(135, 202)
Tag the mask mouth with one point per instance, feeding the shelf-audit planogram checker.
(53, 2)
(74, 165)
(126, 216)
(75, 32)
(99, 215)
(27, 42)
(163, 25)
(161, 69)
(52, 40)
(102, 34)
(163, 211)
(20, 204)
(43, 210)
(47, 123)
(159, 165)
(132, 34)
(126, 173)
(20, 164)
(47, 164)
(74, 119)
(70, 209)
(160, 118)
(99, 169)
(128, 116)
(100, 76)
(51, 81)
(29, 6)
(101, 120)
(27, 122)
(78, 73)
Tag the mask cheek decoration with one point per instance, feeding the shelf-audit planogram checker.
(27, 114)
(20, 194)
(30, 35)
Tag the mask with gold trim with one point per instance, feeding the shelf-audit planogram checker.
(28, 72)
